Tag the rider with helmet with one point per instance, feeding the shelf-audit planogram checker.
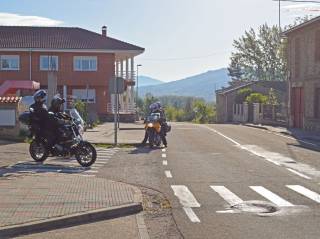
(157, 108)
(42, 117)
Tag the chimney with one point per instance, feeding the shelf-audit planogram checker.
(104, 31)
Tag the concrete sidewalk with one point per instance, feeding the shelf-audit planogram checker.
(46, 201)
(128, 133)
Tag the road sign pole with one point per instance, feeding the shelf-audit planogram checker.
(115, 112)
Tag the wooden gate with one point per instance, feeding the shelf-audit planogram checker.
(297, 106)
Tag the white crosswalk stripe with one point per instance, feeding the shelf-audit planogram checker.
(271, 196)
(187, 200)
(227, 195)
(305, 192)
(66, 165)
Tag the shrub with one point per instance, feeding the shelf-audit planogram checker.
(257, 98)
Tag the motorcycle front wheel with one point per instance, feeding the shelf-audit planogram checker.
(85, 154)
(38, 151)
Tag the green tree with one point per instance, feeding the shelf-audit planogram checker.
(203, 112)
(242, 94)
(258, 55)
(256, 98)
(81, 107)
(272, 97)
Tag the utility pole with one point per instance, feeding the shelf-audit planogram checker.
(115, 112)
(280, 16)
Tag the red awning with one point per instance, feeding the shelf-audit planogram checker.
(10, 85)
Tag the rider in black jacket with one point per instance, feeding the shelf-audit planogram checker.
(43, 119)
(157, 108)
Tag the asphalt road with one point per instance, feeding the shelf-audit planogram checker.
(230, 181)
(217, 181)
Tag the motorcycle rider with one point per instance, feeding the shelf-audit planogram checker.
(42, 117)
(157, 108)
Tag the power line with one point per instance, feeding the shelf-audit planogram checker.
(296, 1)
(185, 58)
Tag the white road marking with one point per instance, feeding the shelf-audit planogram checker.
(192, 216)
(168, 174)
(103, 159)
(100, 162)
(271, 196)
(224, 136)
(227, 195)
(275, 158)
(305, 192)
(186, 197)
(164, 150)
(164, 155)
(91, 171)
(165, 162)
(299, 174)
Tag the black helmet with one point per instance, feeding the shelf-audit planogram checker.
(56, 103)
(40, 96)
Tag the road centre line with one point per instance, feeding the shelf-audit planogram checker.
(299, 174)
(164, 155)
(165, 162)
(192, 216)
(227, 195)
(305, 192)
(163, 150)
(271, 196)
(168, 174)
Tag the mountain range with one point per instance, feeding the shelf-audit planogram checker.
(147, 81)
(201, 85)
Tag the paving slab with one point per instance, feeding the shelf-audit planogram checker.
(38, 202)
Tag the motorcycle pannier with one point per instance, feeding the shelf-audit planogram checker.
(25, 118)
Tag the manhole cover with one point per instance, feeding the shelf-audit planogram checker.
(256, 207)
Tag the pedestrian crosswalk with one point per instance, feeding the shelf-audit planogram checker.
(65, 165)
(228, 199)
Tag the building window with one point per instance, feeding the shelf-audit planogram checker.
(317, 103)
(85, 95)
(48, 63)
(10, 63)
(85, 63)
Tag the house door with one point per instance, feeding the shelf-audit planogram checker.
(297, 100)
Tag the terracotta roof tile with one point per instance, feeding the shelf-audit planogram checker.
(8, 99)
(59, 38)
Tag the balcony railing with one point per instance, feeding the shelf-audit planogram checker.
(127, 75)
(123, 109)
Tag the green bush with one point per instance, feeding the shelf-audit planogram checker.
(81, 107)
(242, 95)
(257, 98)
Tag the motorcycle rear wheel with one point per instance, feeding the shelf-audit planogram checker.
(86, 154)
(38, 151)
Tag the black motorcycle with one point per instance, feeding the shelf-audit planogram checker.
(68, 143)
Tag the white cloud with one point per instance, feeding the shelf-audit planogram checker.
(10, 19)
(306, 8)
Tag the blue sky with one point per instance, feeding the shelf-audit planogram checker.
(181, 37)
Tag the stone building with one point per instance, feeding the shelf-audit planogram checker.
(303, 56)
(225, 98)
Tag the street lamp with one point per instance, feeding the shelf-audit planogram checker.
(137, 90)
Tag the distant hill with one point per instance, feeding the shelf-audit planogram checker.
(202, 85)
(147, 81)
